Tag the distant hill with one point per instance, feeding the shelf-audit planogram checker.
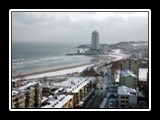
(137, 49)
(121, 45)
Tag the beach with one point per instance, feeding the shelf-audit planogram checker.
(56, 71)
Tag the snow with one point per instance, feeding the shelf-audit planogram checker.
(117, 75)
(140, 44)
(69, 82)
(28, 85)
(123, 90)
(60, 72)
(116, 51)
(127, 73)
(143, 74)
(77, 87)
(119, 56)
(16, 79)
(44, 99)
(14, 92)
(59, 102)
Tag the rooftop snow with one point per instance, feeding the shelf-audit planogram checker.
(143, 74)
(77, 87)
(16, 79)
(28, 85)
(14, 92)
(59, 102)
(128, 72)
(123, 90)
(44, 99)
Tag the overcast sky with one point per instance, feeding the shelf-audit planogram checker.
(77, 27)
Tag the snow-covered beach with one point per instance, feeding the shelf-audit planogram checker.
(59, 71)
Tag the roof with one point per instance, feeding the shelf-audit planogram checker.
(128, 72)
(134, 59)
(58, 101)
(123, 90)
(14, 92)
(76, 88)
(28, 85)
(44, 99)
(16, 79)
(143, 74)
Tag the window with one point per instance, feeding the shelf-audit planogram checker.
(122, 101)
(126, 101)
(127, 97)
(135, 61)
(123, 61)
(129, 61)
(122, 105)
(129, 64)
(129, 67)
(122, 97)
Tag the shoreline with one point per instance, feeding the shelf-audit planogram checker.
(54, 70)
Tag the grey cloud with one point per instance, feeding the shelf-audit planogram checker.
(77, 27)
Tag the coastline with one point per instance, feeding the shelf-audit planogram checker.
(54, 70)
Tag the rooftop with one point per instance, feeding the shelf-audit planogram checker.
(143, 74)
(27, 86)
(134, 59)
(14, 92)
(58, 101)
(128, 72)
(123, 90)
(44, 99)
(16, 79)
(77, 87)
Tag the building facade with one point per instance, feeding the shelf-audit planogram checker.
(143, 76)
(95, 40)
(127, 97)
(59, 101)
(132, 64)
(128, 78)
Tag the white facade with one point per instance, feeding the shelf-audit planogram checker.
(95, 40)
(143, 74)
(126, 97)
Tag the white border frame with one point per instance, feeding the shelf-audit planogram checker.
(80, 10)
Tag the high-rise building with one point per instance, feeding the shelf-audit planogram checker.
(95, 40)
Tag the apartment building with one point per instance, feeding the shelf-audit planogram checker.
(59, 101)
(27, 96)
(142, 76)
(127, 97)
(132, 64)
(16, 82)
(128, 78)
(18, 99)
(78, 91)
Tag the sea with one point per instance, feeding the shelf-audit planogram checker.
(30, 57)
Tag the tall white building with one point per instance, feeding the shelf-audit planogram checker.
(95, 40)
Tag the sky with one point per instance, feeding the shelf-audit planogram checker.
(77, 27)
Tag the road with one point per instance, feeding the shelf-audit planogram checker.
(99, 94)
